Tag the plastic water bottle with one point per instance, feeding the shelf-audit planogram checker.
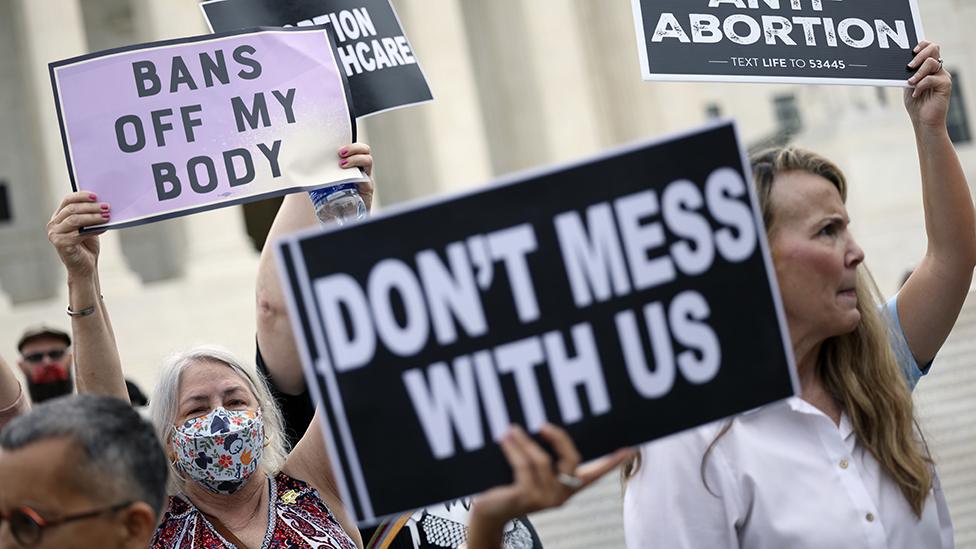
(339, 204)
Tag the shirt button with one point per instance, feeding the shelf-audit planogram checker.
(869, 517)
(843, 464)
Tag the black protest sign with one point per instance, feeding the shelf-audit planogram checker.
(4, 202)
(625, 298)
(370, 45)
(799, 41)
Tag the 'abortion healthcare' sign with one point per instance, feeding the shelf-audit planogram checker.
(626, 298)
(801, 41)
(370, 44)
(171, 128)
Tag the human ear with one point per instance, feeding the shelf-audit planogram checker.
(138, 522)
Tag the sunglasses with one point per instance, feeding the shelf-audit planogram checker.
(27, 526)
(37, 358)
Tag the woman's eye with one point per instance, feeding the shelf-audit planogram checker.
(828, 230)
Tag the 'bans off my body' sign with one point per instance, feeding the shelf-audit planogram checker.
(167, 129)
(801, 41)
(626, 298)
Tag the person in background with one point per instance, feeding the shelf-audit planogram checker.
(45, 360)
(80, 472)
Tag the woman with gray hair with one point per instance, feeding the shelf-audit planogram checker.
(234, 483)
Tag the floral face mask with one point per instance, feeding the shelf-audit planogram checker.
(221, 449)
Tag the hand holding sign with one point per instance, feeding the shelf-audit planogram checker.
(357, 155)
(928, 101)
(78, 251)
(537, 484)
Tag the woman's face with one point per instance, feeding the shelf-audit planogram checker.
(207, 385)
(815, 256)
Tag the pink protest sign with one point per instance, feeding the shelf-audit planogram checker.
(171, 128)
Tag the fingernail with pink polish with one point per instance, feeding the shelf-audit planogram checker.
(106, 215)
(105, 206)
(343, 152)
(92, 197)
(343, 162)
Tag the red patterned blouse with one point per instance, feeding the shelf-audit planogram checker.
(297, 519)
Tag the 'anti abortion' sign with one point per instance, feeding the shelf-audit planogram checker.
(370, 44)
(170, 128)
(625, 298)
(802, 41)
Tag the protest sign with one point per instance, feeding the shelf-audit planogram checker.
(626, 298)
(4, 202)
(370, 45)
(866, 42)
(170, 128)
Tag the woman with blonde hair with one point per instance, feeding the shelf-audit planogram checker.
(842, 466)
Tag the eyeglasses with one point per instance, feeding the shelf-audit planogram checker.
(36, 358)
(26, 525)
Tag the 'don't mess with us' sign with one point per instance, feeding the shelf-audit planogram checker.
(626, 298)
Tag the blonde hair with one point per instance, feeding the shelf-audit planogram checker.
(164, 406)
(858, 368)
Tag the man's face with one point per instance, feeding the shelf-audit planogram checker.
(46, 363)
(44, 359)
(44, 477)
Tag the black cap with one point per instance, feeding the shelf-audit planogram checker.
(42, 331)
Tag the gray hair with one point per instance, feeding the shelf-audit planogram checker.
(122, 458)
(164, 406)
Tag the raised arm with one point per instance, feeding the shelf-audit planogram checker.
(97, 364)
(13, 401)
(931, 299)
(309, 460)
(274, 328)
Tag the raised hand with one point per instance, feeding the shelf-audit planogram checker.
(357, 155)
(927, 101)
(539, 483)
(78, 252)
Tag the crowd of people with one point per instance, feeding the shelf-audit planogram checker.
(220, 464)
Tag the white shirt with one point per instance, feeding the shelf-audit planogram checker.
(786, 477)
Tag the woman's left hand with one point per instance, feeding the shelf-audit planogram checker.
(927, 101)
(539, 483)
(357, 155)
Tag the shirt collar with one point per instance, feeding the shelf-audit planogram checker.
(800, 406)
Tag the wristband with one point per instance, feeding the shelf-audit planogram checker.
(78, 314)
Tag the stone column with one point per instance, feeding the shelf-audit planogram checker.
(46, 31)
(508, 85)
(438, 146)
(631, 108)
(206, 244)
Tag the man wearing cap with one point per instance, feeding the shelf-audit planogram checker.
(45, 360)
